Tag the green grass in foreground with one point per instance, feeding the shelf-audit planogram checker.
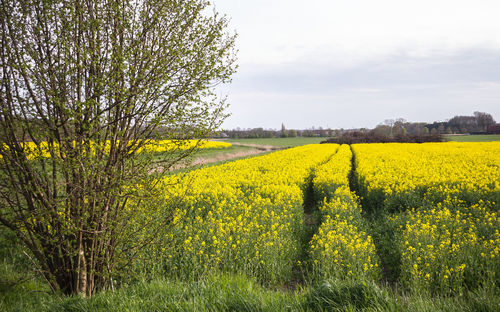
(228, 292)
(473, 138)
(279, 142)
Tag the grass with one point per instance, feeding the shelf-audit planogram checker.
(229, 292)
(279, 142)
(222, 292)
(473, 138)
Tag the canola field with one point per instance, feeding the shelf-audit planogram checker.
(322, 227)
(47, 150)
(440, 201)
(404, 175)
(341, 248)
(242, 216)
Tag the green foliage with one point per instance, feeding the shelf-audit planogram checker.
(449, 249)
(84, 85)
(213, 293)
(229, 292)
(383, 230)
(341, 249)
(338, 295)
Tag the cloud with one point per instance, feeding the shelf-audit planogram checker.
(354, 63)
(388, 72)
(414, 87)
(277, 31)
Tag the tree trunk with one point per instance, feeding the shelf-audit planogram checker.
(81, 281)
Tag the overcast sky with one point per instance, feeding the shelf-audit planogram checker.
(355, 63)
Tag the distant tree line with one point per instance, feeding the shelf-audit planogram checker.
(272, 133)
(478, 123)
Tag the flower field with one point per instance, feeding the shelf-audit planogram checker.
(398, 176)
(43, 150)
(341, 248)
(442, 200)
(377, 227)
(242, 216)
(247, 216)
(449, 248)
(159, 146)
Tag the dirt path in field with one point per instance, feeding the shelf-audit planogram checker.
(222, 157)
(256, 149)
(260, 147)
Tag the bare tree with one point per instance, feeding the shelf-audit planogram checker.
(484, 120)
(84, 84)
(390, 123)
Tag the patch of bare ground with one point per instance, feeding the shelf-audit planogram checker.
(222, 157)
(256, 149)
(260, 147)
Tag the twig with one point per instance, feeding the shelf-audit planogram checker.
(40, 271)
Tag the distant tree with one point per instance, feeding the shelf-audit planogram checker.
(308, 133)
(399, 126)
(464, 122)
(390, 123)
(484, 120)
(383, 130)
(284, 133)
(87, 83)
(415, 127)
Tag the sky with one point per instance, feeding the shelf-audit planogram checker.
(355, 63)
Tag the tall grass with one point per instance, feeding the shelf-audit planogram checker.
(229, 292)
